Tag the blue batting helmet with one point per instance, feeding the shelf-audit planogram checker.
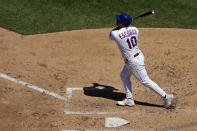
(124, 18)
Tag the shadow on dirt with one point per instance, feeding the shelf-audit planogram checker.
(108, 92)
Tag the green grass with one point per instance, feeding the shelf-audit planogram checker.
(41, 16)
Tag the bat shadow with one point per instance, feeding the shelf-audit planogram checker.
(108, 93)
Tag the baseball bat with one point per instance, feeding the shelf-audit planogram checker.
(144, 14)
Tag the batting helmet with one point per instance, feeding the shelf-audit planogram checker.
(124, 18)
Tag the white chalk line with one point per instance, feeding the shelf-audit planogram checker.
(101, 130)
(89, 113)
(69, 96)
(32, 86)
(114, 130)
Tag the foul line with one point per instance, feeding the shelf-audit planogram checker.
(100, 130)
(69, 96)
(108, 130)
(32, 86)
(114, 130)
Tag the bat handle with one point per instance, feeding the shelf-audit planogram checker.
(135, 18)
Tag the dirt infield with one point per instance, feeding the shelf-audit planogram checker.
(87, 59)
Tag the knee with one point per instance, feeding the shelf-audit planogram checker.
(146, 82)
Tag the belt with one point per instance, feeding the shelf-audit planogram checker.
(135, 55)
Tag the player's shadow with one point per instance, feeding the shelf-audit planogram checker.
(108, 93)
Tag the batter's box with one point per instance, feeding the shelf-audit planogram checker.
(100, 99)
(92, 100)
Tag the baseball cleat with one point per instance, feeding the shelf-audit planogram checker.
(168, 100)
(126, 102)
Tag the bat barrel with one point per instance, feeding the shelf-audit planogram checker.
(144, 15)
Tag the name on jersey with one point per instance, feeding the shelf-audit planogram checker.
(127, 33)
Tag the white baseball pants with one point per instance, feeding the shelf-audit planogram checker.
(136, 67)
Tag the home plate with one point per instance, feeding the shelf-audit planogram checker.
(115, 122)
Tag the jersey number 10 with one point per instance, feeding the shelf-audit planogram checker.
(132, 42)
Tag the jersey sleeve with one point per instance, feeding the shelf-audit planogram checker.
(113, 32)
(112, 35)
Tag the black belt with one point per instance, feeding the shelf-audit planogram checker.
(135, 55)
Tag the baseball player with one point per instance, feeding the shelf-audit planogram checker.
(126, 38)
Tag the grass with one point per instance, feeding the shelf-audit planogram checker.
(42, 16)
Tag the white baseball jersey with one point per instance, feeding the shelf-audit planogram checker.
(126, 39)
